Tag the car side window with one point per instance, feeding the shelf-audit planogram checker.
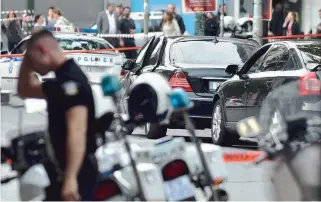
(254, 61)
(293, 62)
(272, 58)
(140, 58)
(155, 54)
(20, 48)
(256, 65)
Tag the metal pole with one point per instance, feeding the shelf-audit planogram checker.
(258, 21)
(237, 9)
(222, 18)
(30, 7)
(146, 16)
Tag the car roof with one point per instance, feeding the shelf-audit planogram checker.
(206, 38)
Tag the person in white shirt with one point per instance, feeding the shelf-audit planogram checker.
(107, 23)
(61, 20)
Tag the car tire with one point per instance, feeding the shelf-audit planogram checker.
(155, 131)
(219, 134)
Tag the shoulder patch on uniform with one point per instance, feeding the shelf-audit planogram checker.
(70, 88)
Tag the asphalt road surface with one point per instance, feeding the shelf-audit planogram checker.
(246, 181)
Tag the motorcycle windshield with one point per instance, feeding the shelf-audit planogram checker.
(295, 102)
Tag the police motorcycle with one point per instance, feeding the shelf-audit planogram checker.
(289, 131)
(181, 167)
(241, 28)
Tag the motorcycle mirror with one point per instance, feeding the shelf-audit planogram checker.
(110, 85)
(35, 105)
(180, 100)
(248, 127)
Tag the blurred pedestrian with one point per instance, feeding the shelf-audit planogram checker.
(177, 17)
(60, 19)
(39, 21)
(107, 23)
(211, 25)
(277, 21)
(243, 11)
(291, 24)
(13, 29)
(319, 26)
(119, 11)
(50, 19)
(170, 25)
(127, 26)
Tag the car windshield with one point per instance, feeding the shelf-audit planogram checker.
(153, 25)
(208, 52)
(311, 53)
(80, 44)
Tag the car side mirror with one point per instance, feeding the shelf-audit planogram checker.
(4, 52)
(232, 69)
(128, 65)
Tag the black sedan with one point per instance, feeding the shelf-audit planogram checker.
(273, 65)
(196, 64)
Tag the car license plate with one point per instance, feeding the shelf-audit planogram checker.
(179, 189)
(9, 84)
(95, 69)
(213, 85)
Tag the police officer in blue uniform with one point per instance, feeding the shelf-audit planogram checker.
(71, 115)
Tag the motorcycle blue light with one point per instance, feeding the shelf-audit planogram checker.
(88, 30)
(179, 99)
(110, 85)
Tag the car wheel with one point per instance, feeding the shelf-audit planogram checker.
(219, 133)
(155, 131)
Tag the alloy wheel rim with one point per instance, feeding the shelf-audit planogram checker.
(216, 123)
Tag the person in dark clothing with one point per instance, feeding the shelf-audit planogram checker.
(211, 25)
(127, 26)
(71, 114)
(291, 24)
(276, 24)
(179, 19)
(13, 30)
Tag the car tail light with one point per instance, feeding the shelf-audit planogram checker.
(175, 169)
(309, 84)
(106, 190)
(179, 80)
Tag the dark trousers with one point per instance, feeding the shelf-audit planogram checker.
(11, 45)
(113, 41)
(130, 54)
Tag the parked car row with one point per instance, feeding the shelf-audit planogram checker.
(227, 79)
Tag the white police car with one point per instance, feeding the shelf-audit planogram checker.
(94, 64)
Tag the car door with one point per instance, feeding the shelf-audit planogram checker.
(235, 92)
(10, 68)
(152, 58)
(260, 82)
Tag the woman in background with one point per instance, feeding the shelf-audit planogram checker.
(13, 30)
(61, 20)
(50, 19)
(291, 24)
(170, 26)
(211, 25)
